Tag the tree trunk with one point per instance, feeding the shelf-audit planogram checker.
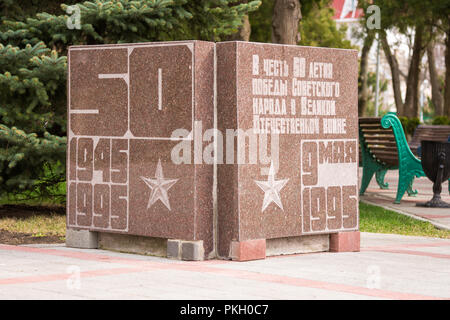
(411, 107)
(244, 31)
(395, 72)
(436, 94)
(286, 17)
(363, 93)
(447, 77)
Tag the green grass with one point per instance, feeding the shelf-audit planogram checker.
(378, 220)
(37, 225)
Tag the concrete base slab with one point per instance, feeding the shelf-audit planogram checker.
(82, 239)
(133, 244)
(293, 245)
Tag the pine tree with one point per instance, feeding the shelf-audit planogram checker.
(33, 69)
(122, 21)
(32, 85)
(216, 20)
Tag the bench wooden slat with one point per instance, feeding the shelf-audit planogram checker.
(370, 126)
(380, 141)
(386, 138)
(383, 153)
(384, 149)
(383, 132)
(428, 132)
(369, 120)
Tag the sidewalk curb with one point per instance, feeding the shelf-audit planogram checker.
(437, 225)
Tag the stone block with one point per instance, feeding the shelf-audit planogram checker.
(174, 249)
(192, 250)
(248, 250)
(345, 242)
(83, 239)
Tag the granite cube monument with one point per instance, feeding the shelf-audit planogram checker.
(284, 139)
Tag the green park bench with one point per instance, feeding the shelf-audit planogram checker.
(384, 147)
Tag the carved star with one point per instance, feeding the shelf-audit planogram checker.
(159, 186)
(271, 189)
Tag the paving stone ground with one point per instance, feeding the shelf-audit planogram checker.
(388, 267)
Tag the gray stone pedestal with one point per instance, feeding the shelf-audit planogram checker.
(83, 239)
